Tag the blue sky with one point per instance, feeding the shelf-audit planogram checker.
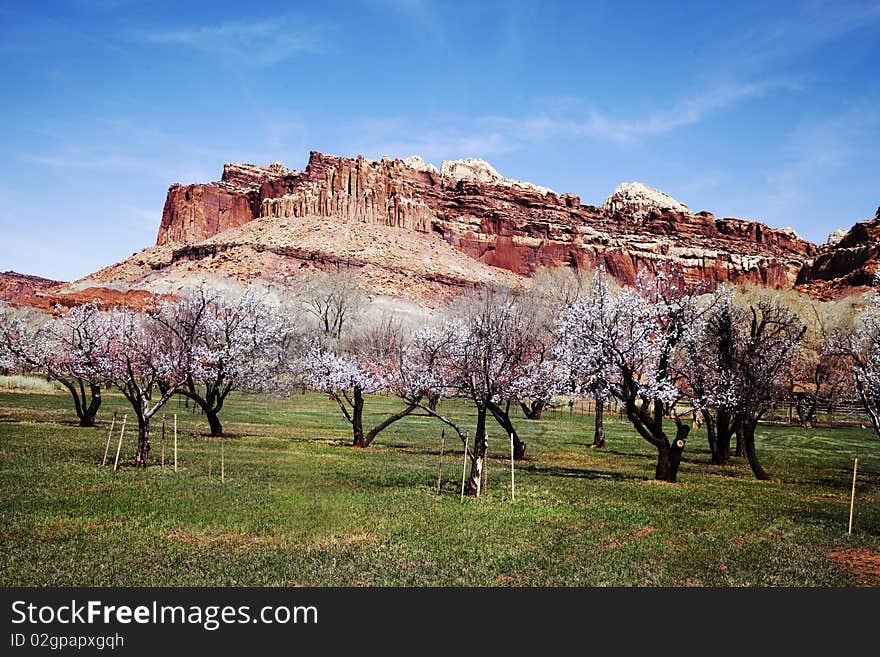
(747, 110)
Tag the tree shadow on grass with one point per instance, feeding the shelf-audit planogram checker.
(635, 455)
(693, 460)
(580, 473)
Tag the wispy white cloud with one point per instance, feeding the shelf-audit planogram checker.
(409, 8)
(89, 161)
(100, 164)
(818, 151)
(403, 137)
(684, 112)
(139, 217)
(804, 27)
(483, 136)
(247, 42)
(123, 146)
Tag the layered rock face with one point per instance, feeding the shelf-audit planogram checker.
(19, 288)
(196, 212)
(35, 292)
(498, 221)
(848, 261)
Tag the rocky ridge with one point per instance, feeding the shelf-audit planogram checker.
(497, 221)
(19, 288)
(36, 292)
(847, 263)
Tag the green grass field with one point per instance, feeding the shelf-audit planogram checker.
(300, 507)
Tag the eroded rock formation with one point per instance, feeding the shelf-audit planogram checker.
(33, 291)
(195, 212)
(18, 288)
(845, 263)
(636, 197)
(499, 221)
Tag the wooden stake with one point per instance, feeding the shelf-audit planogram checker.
(109, 436)
(175, 442)
(163, 440)
(485, 475)
(512, 477)
(440, 461)
(222, 465)
(119, 446)
(464, 466)
(209, 468)
(852, 499)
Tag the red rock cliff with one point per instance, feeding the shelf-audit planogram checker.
(850, 263)
(501, 222)
(17, 288)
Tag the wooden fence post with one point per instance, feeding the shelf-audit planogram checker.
(485, 478)
(175, 442)
(109, 437)
(464, 466)
(119, 446)
(512, 479)
(852, 499)
(440, 461)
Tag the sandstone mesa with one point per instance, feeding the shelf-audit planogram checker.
(416, 232)
(498, 221)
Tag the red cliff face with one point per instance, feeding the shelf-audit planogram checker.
(501, 222)
(33, 291)
(195, 212)
(17, 288)
(849, 264)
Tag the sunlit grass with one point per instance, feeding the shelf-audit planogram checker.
(301, 507)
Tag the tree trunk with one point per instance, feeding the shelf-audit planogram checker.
(86, 408)
(711, 432)
(669, 456)
(661, 472)
(214, 422)
(210, 405)
(433, 401)
(811, 412)
(533, 411)
(474, 482)
(720, 429)
(90, 411)
(721, 455)
(599, 432)
(503, 418)
(682, 429)
(748, 432)
(868, 403)
(387, 422)
(357, 419)
(740, 449)
(726, 428)
(142, 455)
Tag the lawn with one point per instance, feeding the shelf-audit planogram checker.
(300, 507)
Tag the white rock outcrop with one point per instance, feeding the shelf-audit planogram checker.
(417, 163)
(470, 168)
(835, 236)
(477, 170)
(638, 197)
